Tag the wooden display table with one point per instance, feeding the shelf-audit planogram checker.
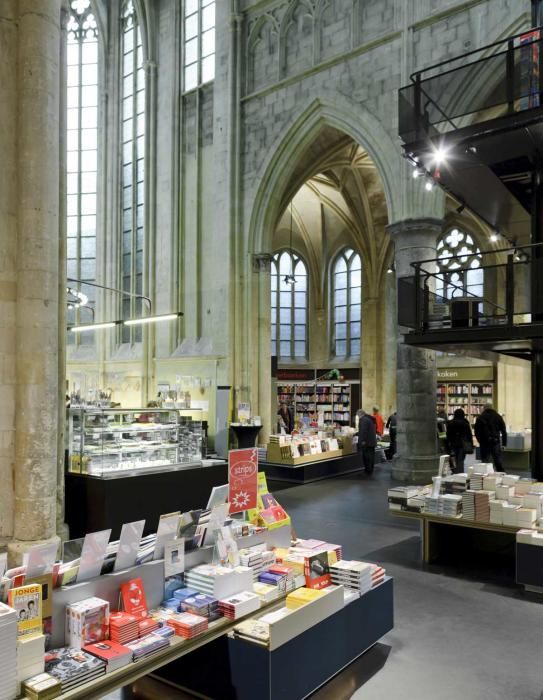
(431, 527)
(312, 469)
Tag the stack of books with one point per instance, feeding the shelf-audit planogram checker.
(202, 604)
(147, 646)
(451, 505)
(187, 625)
(530, 537)
(219, 581)
(147, 625)
(482, 506)
(73, 667)
(236, 606)
(476, 482)
(399, 496)
(115, 655)
(87, 622)
(455, 483)
(181, 593)
(302, 596)
(257, 558)
(510, 479)
(526, 517)
(352, 574)
(171, 604)
(432, 505)
(534, 500)
(41, 687)
(509, 514)
(266, 592)
(496, 512)
(468, 505)
(253, 631)
(165, 631)
(491, 481)
(30, 655)
(377, 575)
(504, 492)
(123, 628)
(8, 653)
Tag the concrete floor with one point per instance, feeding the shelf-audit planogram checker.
(458, 634)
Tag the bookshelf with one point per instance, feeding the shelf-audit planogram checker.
(470, 396)
(308, 399)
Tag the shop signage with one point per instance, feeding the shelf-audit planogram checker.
(242, 479)
(465, 374)
(292, 375)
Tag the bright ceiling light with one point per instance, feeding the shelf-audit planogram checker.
(494, 237)
(429, 185)
(151, 319)
(440, 155)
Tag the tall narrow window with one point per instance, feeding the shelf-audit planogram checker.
(289, 307)
(82, 156)
(459, 267)
(199, 38)
(133, 170)
(347, 299)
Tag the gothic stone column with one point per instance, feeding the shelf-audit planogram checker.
(417, 456)
(37, 346)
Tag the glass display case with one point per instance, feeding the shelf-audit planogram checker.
(112, 442)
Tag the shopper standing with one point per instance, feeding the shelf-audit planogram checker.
(379, 421)
(392, 425)
(491, 433)
(367, 441)
(459, 440)
(285, 419)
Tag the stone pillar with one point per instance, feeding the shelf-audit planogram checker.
(37, 343)
(417, 456)
(8, 256)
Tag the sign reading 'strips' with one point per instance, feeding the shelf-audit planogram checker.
(242, 479)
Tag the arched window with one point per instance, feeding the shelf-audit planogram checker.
(461, 275)
(132, 168)
(289, 306)
(347, 300)
(82, 155)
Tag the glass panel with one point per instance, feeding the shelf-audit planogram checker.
(299, 332)
(72, 53)
(285, 264)
(72, 183)
(341, 280)
(355, 312)
(301, 283)
(72, 140)
(300, 299)
(89, 53)
(72, 119)
(300, 315)
(88, 203)
(72, 205)
(208, 17)
(190, 6)
(356, 278)
(72, 98)
(89, 96)
(88, 225)
(72, 76)
(355, 347)
(89, 139)
(285, 331)
(285, 299)
(340, 297)
(341, 348)
(89, 74)
(72, 225)
(284, 349)
(88, 247)
(340, 314)
(341, 265)
(208, 42)
(208, 69)
(72, 162)
(71, 248)
(341, 330)
(191, 51)
(191, 26)
(355, 330)
(89, 117)
(285, 315)
(299, 349)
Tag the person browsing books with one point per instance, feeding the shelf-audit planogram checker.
(491, 433)
(459, 439)
(379, 421)
(367, 440)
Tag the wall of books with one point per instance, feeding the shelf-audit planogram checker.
(467, 388)
(309, 399)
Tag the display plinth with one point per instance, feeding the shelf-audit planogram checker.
(245, 671)
(529, 566)
(94, 503)
(312, 470)
(245, 434)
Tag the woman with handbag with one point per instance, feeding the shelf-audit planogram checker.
(459, 439)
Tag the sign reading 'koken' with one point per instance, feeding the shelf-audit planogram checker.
(242, 479)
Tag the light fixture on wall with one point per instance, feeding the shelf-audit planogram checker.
(129, 322)
(290, 279)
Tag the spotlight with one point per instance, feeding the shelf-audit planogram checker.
(390, 270)
(494, 237)
(429, 185)
(440, 155)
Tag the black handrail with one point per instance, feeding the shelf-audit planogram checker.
(483, 48)
(514, 249)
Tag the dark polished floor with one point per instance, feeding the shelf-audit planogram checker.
(460, 632)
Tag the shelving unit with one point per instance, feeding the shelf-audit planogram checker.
(310, 398)
(470, 396)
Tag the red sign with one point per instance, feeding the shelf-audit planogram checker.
(242, 479)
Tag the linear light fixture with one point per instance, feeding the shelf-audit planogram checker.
(94, 326)
(152, 319)
(130, 322)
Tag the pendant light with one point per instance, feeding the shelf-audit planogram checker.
(290, 279)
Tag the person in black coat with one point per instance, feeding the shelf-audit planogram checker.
(392, 425)
(491, 433)
(459, 439)
(367, 440)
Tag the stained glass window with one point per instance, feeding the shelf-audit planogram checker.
(459, 271)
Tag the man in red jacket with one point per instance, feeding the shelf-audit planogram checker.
(379, 422)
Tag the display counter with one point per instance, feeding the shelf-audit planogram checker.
(97, 503)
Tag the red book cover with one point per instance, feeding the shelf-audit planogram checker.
(274, 514)
(107, 650)
(133, 597)
(280, 569)
(317, 571)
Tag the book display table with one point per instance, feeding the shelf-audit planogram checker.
(242, 670)
(312, 468)
(94, 503)
(436, 531)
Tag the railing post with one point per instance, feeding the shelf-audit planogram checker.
(510, 290)
(417, 299)
(425, 304)
(510, 77)
(417, 108)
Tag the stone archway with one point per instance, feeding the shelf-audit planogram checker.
(321, 129)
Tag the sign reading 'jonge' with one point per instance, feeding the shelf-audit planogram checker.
(242, 479)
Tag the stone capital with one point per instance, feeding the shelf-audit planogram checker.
(262, 262)
(407, 227)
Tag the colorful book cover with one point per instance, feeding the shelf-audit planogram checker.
(108, 651)
(26, 601)
(67, 664)
(133, 597)
(317, 570)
